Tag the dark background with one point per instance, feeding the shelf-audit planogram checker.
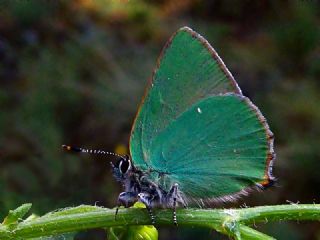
(74, 72)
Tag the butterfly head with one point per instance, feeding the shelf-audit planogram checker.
(122, 168)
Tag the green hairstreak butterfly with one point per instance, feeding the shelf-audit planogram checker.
(195, 137)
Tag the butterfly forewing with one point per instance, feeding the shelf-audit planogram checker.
(188, 70)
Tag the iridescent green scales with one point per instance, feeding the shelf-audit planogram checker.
(195, 128)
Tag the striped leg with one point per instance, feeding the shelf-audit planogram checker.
(153, 221)
(145, 198)
(174, 194)
(126, 199)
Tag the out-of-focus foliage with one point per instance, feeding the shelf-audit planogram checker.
(74, 72)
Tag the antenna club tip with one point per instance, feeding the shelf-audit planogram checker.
(66, 147)
(70, 148)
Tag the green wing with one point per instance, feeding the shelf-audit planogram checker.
(196, 129)
(218, 147)
(188, 70)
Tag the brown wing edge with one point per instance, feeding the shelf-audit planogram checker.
(268, 178)
(215, 56)
(206, 44)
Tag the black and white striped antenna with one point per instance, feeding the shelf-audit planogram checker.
(90, 151)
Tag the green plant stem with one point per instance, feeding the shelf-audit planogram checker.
(249, 233)
(227, 221)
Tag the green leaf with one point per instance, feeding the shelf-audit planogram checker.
(15, 215)
(146, 232)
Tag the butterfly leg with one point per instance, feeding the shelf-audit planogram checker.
(117, 210)
(175, 197)
(173, 193)
(126, 199)
(153, 221)
(146, 199)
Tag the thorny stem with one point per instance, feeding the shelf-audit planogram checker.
(232, 222)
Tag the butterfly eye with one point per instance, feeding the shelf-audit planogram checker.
(124, 165)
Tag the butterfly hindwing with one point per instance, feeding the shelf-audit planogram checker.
(218, 147)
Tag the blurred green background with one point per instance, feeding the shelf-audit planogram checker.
(74, 72)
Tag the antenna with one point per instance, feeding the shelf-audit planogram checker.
(90, 151)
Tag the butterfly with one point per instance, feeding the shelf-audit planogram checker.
(195, 137)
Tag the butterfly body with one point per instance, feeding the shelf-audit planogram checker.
(139, 187)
